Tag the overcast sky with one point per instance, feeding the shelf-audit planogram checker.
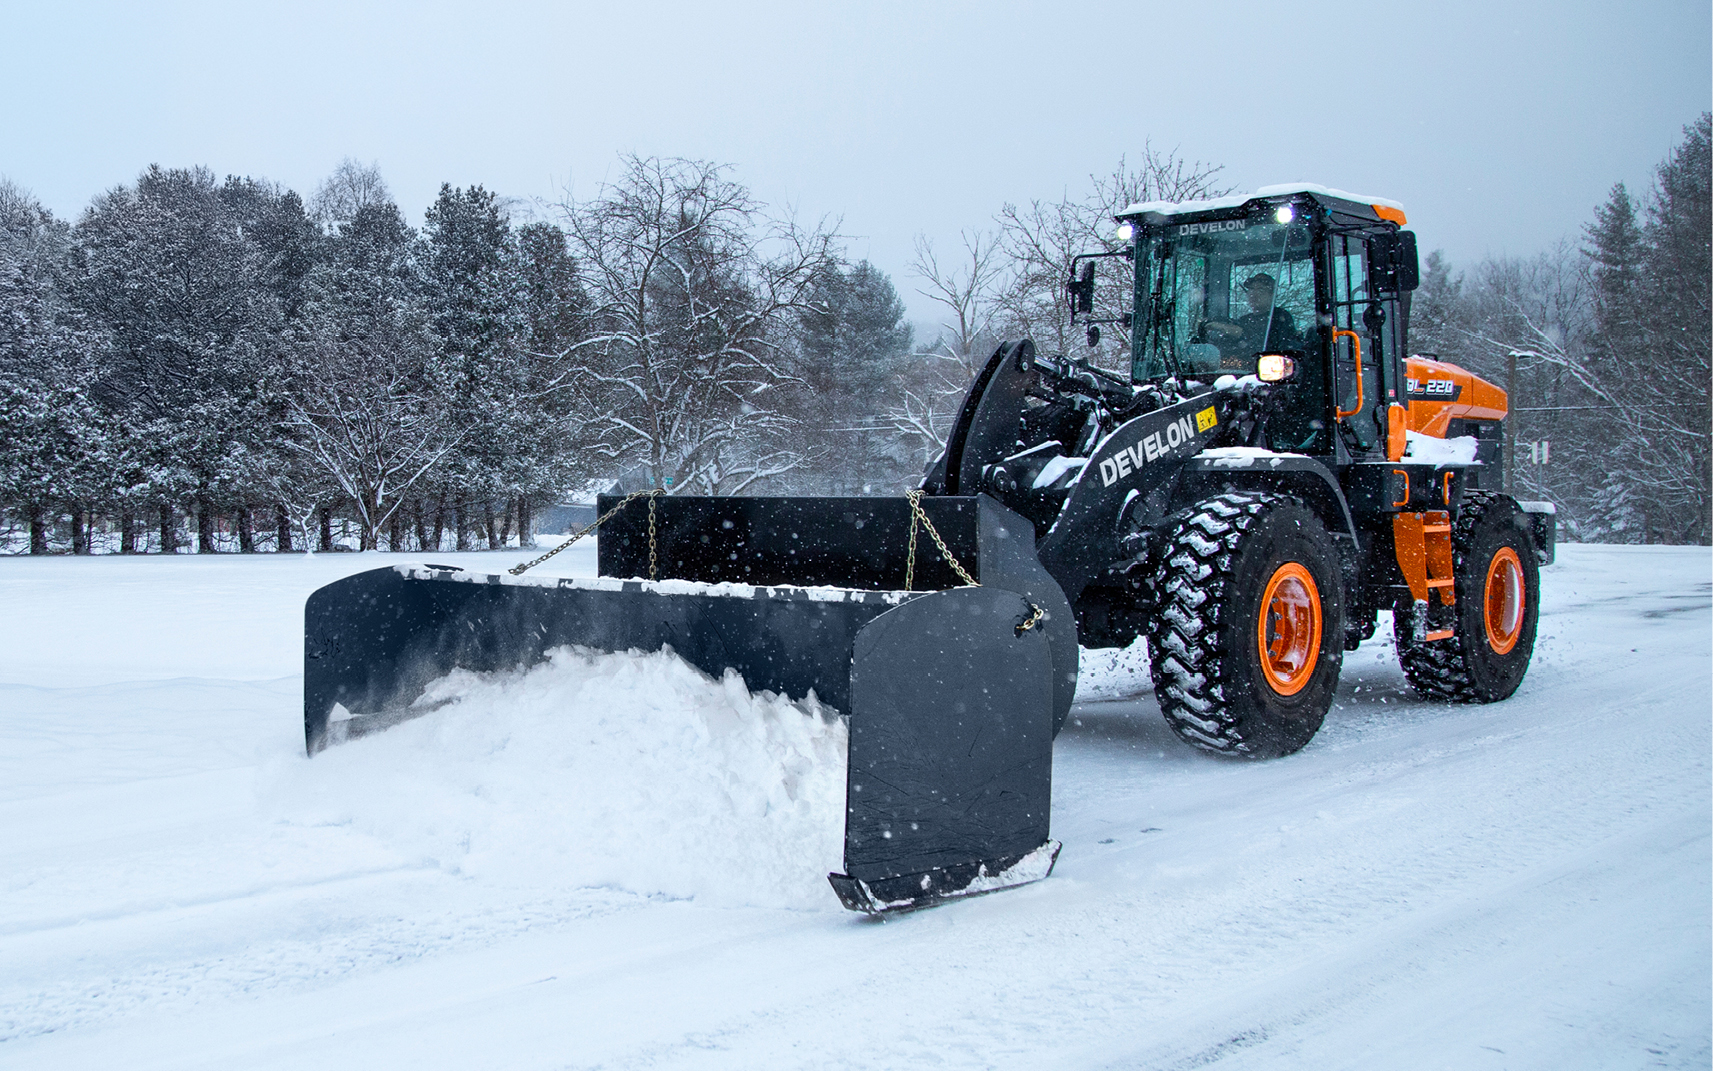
(1499, 125)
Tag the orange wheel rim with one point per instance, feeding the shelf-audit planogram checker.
(1289, 629)
(1503, 600)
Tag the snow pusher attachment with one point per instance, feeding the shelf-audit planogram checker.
(953, 694)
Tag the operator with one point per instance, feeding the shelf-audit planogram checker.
(1250, 333)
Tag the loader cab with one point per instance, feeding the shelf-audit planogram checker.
(1301, 271)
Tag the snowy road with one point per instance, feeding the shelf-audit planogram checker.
(1511, 886)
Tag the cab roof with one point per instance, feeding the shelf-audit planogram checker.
(1378, 208)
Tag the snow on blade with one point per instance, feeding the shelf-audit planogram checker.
(627, 770)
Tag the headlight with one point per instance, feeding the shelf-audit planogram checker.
(1126, 231)
(1284, 214)
(1274, 367)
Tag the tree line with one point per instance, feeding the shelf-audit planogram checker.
(1603, 341)
(1605, 344)
(222, 365)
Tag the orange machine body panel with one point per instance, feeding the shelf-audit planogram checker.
(1440, 393)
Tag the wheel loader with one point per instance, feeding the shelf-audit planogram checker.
(1273, 473)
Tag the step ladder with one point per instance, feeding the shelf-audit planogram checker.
(1423, 544)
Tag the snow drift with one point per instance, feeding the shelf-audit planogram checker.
(625, 770)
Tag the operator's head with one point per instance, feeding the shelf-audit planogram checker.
(1259, 290)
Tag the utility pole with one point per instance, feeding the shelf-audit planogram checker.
(1510, 416)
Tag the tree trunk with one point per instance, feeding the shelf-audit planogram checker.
(246, 529)
(368, 537)
(420, 522)
(282, 525)
(326, 529)
(458, 519)
(77, 527)
(127, 532)
(38, 529)
(205, 528)
(506, 525)
(489, 532)
(395, 530)
(439, 521)
(169, 532)
(525, 533)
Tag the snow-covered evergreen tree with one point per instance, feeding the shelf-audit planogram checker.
(167, 267)
(57, 454)
(853, 343)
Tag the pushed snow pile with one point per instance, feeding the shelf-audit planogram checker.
(629, 770)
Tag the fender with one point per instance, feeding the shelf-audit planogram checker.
(1306, 477)
(1140, 460)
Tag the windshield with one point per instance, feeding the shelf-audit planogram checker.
(1219, 292)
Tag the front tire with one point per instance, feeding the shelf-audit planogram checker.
(1498, 604)
(1247, 639)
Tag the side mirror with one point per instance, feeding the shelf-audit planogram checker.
(1081, 289)
(1392, 264)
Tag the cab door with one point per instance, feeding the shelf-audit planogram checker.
(1363, 327)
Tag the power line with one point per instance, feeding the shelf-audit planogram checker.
(1568, 408)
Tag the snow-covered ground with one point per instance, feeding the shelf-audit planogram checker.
(615, 862)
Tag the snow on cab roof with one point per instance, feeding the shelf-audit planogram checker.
(1174, 208)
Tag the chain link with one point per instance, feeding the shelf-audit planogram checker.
(919, 514)
(910, 562)
(651, 546)
(519, 570)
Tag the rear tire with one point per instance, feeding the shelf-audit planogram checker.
(1247, 639)
(1498, 604)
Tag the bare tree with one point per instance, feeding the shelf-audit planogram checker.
(967, 289)
(363, 419)
(691, 283)
(1628, 441)
(1038, 240)
(352, 186)
(1011, 284)
(1524, 324)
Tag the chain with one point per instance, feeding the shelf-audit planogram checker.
(910, 562)
(919, 514)
(519, 570)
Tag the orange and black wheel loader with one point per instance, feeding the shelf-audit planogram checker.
(1273, 472)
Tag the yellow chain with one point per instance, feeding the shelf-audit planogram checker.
(519, 570)
(918, 513)
(910, 562)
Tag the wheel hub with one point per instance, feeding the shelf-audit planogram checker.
(1503, 601)
(1288, 631)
